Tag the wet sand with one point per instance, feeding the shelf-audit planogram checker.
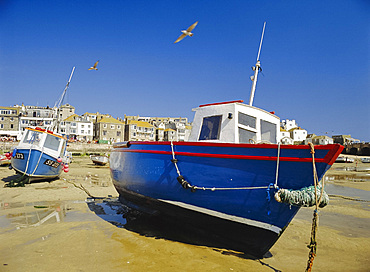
(56, 227)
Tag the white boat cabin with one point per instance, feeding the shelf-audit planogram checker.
(234, 122)
(46, 141)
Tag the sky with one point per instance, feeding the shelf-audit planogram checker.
(314, 58)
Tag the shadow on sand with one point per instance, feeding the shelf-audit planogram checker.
(161, 227)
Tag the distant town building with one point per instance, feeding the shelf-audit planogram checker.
(91, 116)
(285, 137)
(318, 140)
(77, 128)
(65, 111)
(176, 128)
(170, 135)
(288, 124)
(344, 139)
(9, 122)
(109, 129)
(34, 116)
(139, 131)
(296, 134)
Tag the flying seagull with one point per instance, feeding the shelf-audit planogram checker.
(94, 67)
(186, 32)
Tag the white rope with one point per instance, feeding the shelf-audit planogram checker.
(37, 165)
(277, 167)
(174, 159)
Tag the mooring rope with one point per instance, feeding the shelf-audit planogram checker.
(315, 220)
(38, 162)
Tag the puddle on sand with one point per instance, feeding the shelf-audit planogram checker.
(347, 225)
(348, 177)
(335, 189)
(352, 168)
(16, 215)
(22, 215)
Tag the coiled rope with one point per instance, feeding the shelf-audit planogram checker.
(305, 197)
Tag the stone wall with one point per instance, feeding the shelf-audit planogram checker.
(75, 148)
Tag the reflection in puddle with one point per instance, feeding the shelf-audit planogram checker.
(32, 214)
(111, 210)
(348, 177)
(352, 168)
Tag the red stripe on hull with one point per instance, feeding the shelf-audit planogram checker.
(333, 151)
(225, 156)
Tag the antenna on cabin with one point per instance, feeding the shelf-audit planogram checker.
(256, 69)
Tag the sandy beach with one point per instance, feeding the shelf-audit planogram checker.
(56, 227)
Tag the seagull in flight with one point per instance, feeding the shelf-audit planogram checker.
(94, 67)
(186, 32)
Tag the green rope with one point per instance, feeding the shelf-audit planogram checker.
(304, 197)
(18, 182)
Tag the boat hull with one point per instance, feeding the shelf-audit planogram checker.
(235, 184)
(36, 164)
(99, 160)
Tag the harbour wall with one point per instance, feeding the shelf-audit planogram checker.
(361, 149)
(75, 148)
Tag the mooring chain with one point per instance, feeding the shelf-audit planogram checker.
(186, 185)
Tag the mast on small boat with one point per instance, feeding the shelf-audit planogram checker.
(256, 69)
(59, 102)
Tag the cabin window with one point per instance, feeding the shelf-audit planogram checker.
(210, 128)
(245, 136)
(32, 137)
(246, 120)
(52, 142)
(268, 131)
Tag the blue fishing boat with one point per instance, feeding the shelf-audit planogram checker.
(228, 179)
(41, 153)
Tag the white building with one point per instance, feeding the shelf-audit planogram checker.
(296, 133)
(32, 116)
(285, 137)
(288, 124)
(77, 128)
